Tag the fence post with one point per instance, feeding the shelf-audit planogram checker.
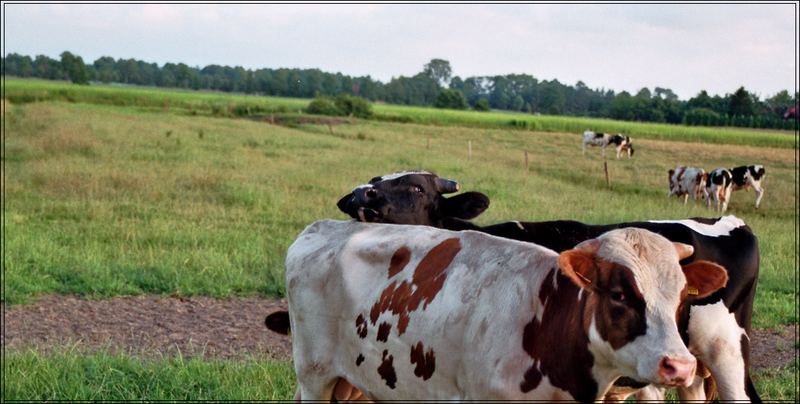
(605, 168)
(526, 162)
(469, 150)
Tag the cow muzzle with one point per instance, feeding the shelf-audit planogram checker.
(677, 371)
(353, 205)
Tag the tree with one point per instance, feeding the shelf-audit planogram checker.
(741, 103)
(438, 70)
(75, 68)
(452, 99)
(482, 105)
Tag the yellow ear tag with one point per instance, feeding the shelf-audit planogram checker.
(585, 279)
(692, 291)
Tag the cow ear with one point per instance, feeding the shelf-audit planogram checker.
(704, 278)
(578, 266)
(465, 206)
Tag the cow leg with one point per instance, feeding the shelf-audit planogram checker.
(685, 198)
(693, 393)
(346, 392)
(651, 393)
(759, 194)
(719, 342)
(726, 198)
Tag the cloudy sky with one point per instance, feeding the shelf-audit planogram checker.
(621, 47)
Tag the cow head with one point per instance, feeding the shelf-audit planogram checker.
(635, 288)
(411, 198)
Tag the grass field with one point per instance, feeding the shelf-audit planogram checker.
(105, 199)
(221, 104)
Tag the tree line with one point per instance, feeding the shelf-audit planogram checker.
(433, 86)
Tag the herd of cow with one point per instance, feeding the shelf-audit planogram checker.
(715, 186)
(413, 301)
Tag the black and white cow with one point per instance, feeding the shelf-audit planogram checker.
(603, 140)
(722, 181)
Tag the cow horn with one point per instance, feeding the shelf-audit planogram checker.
(683, 250)
(446, 186)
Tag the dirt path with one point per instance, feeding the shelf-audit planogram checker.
(228, 328)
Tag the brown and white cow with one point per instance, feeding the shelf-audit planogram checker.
(685, 181)
(419, 313)
(603, 140)
(722, 181)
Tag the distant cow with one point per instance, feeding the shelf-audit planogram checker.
(623, 143)
(722, 181)
(419, 313)
(685, 181)
(791, 113)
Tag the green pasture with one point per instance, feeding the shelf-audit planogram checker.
(70, 375)
(102, 198)
(225, 104)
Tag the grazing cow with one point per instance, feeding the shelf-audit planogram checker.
(722, 181)
(685, 181)
(419, 313)
(623, 143)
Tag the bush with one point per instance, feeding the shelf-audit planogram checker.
(482, 105)
(351, 105)
(452, 99)
(323, 106)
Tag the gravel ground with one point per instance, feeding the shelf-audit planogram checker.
(212, 328)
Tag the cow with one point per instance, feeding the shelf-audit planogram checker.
(406, 198)
(722, 181)
(419, 313)
(790, 113)
(685, 181)
(717, 328)
(623, 143)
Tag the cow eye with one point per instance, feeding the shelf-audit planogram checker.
(617, 296)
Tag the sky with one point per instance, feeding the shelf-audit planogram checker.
(684, 47)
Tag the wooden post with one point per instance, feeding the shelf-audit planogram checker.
(605, 168)
(469, 150)
(526, 162)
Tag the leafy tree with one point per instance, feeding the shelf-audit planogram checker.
(482, 105)
(741, 103)
(352, 105)
(438, 70)
(452, 99)
(75, 68)
(323, 105)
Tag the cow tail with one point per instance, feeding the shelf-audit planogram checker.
(750, 389)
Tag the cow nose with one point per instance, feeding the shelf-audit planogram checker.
(366, 194)
(677, 371)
